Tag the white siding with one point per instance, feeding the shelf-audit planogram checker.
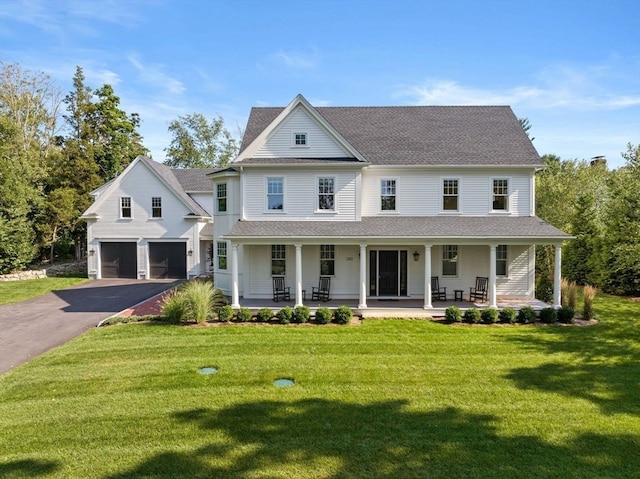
(520, 267)
(205, 200)
(320, 144)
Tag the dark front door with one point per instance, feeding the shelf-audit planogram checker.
(387, 273)
(168, 260)
(118, 260)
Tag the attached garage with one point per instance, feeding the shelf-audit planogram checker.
(168, 260)
(118, 260)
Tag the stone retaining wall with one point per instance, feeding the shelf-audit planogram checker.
(63, 269)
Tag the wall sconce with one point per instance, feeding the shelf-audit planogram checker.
(190, 252)
(416, 256)
(92, 252)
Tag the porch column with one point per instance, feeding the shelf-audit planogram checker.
(427, 276)
(298, 274)
(235, 296)
(362, 302)
(557, 273)
(492, 276)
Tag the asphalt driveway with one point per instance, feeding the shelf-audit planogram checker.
(32, 327)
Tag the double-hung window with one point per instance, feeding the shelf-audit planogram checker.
(156, 207)
(326, 194)
(500, 195)
(125, 207)
(275, 194)
(327, 259)
(450, 260)
(221, 197)
(278, 260)
(388, 195)
(450, 195)
(501, 260)
(222, 254)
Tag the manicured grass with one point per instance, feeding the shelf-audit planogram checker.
(386, 399)
(16, 291)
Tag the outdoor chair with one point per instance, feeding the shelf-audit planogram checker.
(321, 293)
(280, 291)
(437, 293)
(480, 291)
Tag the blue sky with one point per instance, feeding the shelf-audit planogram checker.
(571, 67)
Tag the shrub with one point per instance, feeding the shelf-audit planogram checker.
(544, 289)
(200, 298)
(301, 314)
(225, 313)
(566, 314)
(243, 315)
(548, 315)
(453, 314)
(264, 315)
(507, 315)
(527, 315)
(472, 315)
(489, 315)
(323, 315)
(173, 306)
(342, 315)
(285, 315)
(572, 299)
(589, 294)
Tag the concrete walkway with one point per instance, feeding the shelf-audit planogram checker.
(30, 328)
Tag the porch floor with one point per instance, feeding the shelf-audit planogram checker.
(393, 308)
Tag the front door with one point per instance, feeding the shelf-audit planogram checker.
(388, 270)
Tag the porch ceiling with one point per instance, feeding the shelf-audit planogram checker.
(434, 228)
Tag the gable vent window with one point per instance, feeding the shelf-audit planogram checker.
(156, 207)
(125, 207)
(299, 139)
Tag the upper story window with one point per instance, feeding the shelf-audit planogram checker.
(327, 259)
(501, 194)
(450, 260)
(501, 260)
(125, 207)
(300, 139)
(222, 254)
(326, 194)
(221, 197)
(388, 195)
(275, 194)
(278, 260)
(450, 195)
(156, 207)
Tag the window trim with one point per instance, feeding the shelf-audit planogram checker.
(153, 208)
(505, 259)
(218, 197)
(331, 259)
(318, 194)
(294, 139)
(396, 208)
(283, 258)
(122, 208)
(220, 246)
(506, 196)
(455, 261)
(457, 195)
(266, 188)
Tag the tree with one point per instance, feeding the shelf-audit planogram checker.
(197, 143)
(526, 126)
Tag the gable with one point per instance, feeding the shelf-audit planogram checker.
(319, 144)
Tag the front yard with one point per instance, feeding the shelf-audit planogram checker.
(384, 399)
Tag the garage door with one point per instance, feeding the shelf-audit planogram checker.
(168, 260)
(118, 260)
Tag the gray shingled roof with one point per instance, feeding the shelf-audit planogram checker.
(195, 179)
(422, 227)
(304, 161)
(423, 135)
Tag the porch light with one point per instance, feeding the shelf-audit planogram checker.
(190, 252)
(416, 255)
(92, 252)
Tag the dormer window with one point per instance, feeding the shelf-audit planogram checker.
(300, 139)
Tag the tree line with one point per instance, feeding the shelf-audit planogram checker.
(55, 150)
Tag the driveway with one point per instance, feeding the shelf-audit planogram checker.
(30, 328)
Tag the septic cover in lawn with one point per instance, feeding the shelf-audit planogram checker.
(283, 383)
(208, 370)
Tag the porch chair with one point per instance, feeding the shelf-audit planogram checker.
(280, 291)
(437, 293)
(321, 293)
(480, 291)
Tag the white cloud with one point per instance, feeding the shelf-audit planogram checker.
(295, 60)
(154, 75)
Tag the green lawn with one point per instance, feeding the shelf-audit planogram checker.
(387, 399)
(16, 291)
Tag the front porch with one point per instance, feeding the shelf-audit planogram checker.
(393, 308)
